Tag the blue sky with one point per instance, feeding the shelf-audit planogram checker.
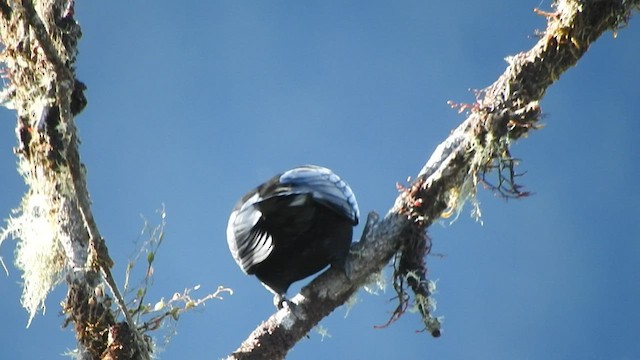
(193, 104)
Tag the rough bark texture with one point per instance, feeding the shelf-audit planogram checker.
(505, 111)
(39, 48)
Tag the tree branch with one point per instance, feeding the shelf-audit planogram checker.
(505, 111)
(55, 221)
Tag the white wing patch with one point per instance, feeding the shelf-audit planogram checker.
(249, 246)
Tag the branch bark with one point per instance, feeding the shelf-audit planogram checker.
(505, 111)
(39, 41)
(55, 220)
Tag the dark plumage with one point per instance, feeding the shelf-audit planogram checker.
(293, 226)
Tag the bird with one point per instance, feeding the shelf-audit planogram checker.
(293, 226)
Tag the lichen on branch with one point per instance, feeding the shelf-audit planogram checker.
(57, 238)
(503, 112)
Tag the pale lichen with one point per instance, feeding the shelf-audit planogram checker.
(39, 253)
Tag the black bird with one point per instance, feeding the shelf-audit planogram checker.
(293, 226)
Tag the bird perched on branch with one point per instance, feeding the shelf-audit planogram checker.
(293, 226)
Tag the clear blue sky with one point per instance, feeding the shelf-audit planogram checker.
(192, 104)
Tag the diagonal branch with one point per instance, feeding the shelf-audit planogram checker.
(505, 111)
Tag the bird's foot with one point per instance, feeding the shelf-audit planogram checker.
(280, 301)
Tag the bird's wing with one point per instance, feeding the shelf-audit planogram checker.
(326, 188)
(249, 245)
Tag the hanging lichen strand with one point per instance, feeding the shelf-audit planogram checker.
(55, 232)
(37, 66)
(478, 149)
